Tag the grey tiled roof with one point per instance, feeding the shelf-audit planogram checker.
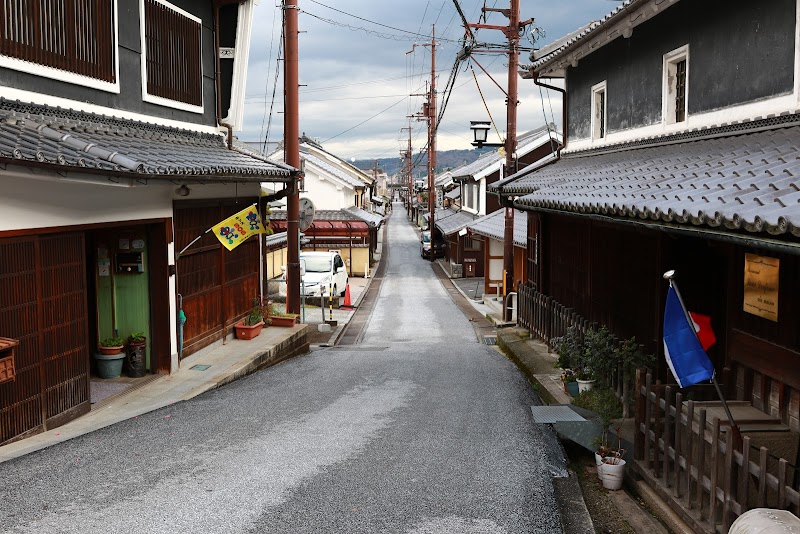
(454, 194)
(275, 240)
(338, 173)
(88, 142)
(349, 214)
(525, 144)
(483, 162)
(749, 181)
(450, 221)
(373, 219)
(494, 227)
(562, 44)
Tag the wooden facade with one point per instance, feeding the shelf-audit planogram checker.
(216, 286)
(43, 305)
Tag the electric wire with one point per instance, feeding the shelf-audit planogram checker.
(266, 84)
(275, 84)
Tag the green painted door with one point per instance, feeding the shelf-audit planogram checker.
(123, 285)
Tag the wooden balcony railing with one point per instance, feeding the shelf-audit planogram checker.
(71, 35)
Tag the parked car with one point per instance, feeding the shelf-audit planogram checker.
(425, 246)
(324, 270)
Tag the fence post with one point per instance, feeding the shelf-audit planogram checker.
(744, 489)
(676, 480)
(714, 473)
(648, 415)
(667, 403)
(638, 445)
(689, 451)
(701, 460)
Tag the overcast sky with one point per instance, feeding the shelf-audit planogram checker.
(358, 71)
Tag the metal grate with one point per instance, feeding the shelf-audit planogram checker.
(490, 340)
(199, 367)
(554, 414)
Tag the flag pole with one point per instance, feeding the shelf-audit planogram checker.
(737, 434)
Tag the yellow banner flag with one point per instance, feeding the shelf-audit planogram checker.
(235, 229)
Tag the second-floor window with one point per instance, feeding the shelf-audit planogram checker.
(599, 111)
(676, 80)
(172, 42)
(75, 36)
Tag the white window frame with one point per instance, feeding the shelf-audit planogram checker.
(596, 124)
(160, 100)
(671, 59)
(53, 73)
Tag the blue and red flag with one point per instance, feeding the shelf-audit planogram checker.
(685, 355)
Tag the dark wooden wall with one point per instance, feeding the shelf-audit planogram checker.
(43, 304)
(218, 286)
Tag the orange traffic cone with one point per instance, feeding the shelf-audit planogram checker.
(347, 303)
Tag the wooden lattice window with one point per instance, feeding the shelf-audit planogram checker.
(72, 35)
(173, 53)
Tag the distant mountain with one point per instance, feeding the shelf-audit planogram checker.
(445, 159)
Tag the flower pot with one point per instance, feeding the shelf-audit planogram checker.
(613, 473)
(585, 385)
(283, 321)
(109, 351)
(244, 331)
(109, 365)
(572, 388)
(598, 460)
(137, 359)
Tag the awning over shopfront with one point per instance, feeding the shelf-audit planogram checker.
(72, 141)
(737, 177)
(493, 226)
(450, 221)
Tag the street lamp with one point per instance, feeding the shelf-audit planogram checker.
(480, 131)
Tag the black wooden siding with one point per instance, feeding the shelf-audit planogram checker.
(739, 52)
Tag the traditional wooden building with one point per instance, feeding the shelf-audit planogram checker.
(680, 153)
(114, 155)
(491, 230)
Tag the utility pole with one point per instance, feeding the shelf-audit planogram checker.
(512, 33)
(429, 114)
(407, 164)
(291, 143)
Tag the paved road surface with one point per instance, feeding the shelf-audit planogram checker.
(420, 429)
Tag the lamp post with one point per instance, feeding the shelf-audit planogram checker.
(480, 131)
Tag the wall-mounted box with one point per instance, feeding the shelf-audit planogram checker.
(129, 262)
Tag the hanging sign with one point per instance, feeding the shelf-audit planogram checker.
(761, 286)
(238, 227)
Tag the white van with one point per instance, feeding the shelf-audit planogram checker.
(324, 270)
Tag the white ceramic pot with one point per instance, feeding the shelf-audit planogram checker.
(598, 460)
(613, 474)
(585, 385)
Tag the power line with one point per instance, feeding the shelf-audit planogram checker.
(365, 121)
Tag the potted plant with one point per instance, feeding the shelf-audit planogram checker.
(607, 406)
(110, 357)
(250, 327)
(137, 355)
(613, 467)
(110, 346)
(599, 358)
(569, 378)
(280, 318)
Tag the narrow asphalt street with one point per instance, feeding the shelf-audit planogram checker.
(420, 428)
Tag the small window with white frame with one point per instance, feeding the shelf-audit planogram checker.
(599, 111)
(676, 83)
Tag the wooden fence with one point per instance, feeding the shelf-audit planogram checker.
(549, 320)
(685, 454)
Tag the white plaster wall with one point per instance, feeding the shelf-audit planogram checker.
(495, 265)
(326, 194)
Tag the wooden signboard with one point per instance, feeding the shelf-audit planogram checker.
(761, 286)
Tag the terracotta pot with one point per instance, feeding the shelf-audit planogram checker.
(108, 351)
(244, 331)
(283, 321)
